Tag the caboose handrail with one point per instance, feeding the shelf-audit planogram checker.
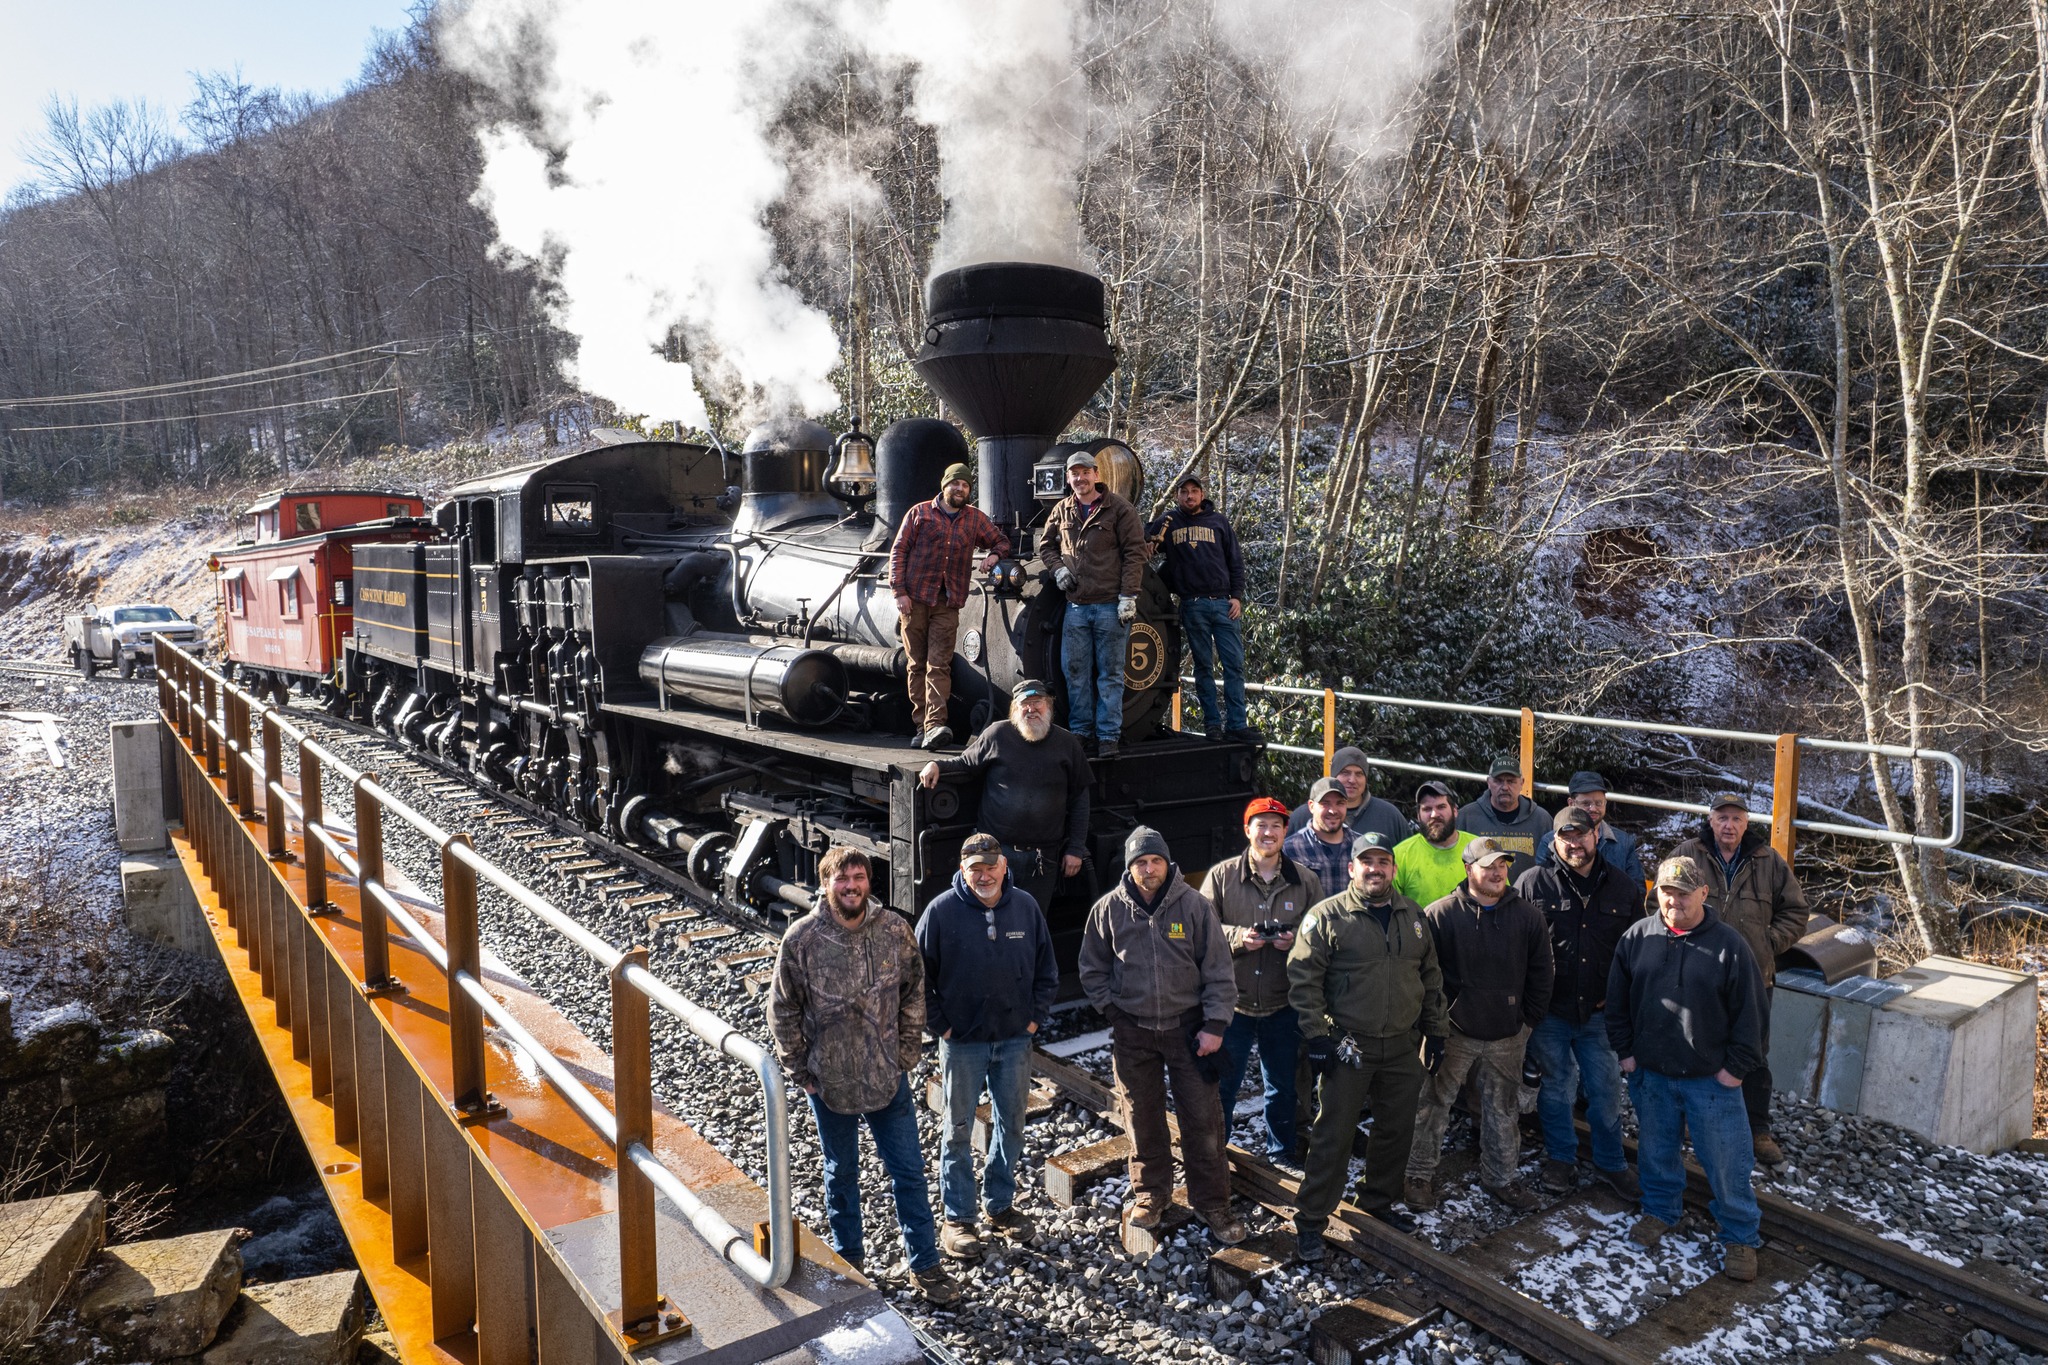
(225, 716)
(1782, 818)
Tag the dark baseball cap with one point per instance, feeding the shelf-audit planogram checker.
(1434, 788)
(1585, 781)
(1323, 787)
(1191, 478)
(1571, 818)
(1503, 764)
(980, 848)
(1368, 841)
(1482, 851)
(1723, 800)
(1029, 687)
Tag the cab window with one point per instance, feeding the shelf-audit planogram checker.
(238, 602)
(570, 509)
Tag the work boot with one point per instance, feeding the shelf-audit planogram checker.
(1246, 734)
(1309, 1247)
(1392, 1217)
(960, 1241)
(1105, 748)
(1418, 1194)
(1515, 1195)
(1559, 1177)
(1089, 746)
(1648, 1231)
(935, 1286)
(1016, 1226)
(1768, 1152)
(1225, 1226)
(1739, 1262)
(1146, 1214)
(935, 738)
(1623, 1182)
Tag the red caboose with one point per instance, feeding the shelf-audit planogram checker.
(287, 589)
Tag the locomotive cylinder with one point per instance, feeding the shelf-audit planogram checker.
(733, 673)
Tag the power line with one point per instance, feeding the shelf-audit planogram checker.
(158, 390)
(199, 388)
(207, 416)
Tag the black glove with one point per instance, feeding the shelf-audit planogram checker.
(1320, 1049)
(1432, 1052)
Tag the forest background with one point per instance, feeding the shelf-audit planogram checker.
(1684, 362)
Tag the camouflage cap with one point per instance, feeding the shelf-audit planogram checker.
(1480, 852)
(1680, 874)
(980, 848)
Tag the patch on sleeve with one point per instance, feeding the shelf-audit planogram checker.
(1308, 924)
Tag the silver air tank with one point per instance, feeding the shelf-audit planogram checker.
(734, 673)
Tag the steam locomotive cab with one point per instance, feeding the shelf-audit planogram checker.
(699, 653)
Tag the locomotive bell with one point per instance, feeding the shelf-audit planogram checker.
(852, 473)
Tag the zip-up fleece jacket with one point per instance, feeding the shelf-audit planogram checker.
(847, 1007)
(1686, 1005)
(1242, 900)
(1515, 833)
(1765, 905)
(1157, 966)
(1617, 846)
(1496, 962)
(986, 990)
(1202, 556)
(1105, 547)
(1588, 915)
(1348, 974)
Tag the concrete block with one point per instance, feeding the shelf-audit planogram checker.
(317, 1321)
(138, 785)
(1952, 1056)
(43, 1242)
(158, 904)
(1820, 1034)
(166, 1297)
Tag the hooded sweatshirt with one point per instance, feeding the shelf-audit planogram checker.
(1496, 962)
(1155, 964)
(1516, 833)
(846, 1007)
(1202, 557)
(1686, 1005)
(983, 989)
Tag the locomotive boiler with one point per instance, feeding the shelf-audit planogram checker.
(696, 651)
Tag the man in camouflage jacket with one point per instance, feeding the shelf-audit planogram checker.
(847, 1011)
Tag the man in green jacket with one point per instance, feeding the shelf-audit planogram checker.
(1364, 979)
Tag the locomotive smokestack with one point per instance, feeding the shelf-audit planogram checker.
(1017, 349)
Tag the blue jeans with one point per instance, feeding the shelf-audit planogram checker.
(1575, 1055)
(1092, 656)
(1279, 1038)
(1720, 1139)
(895, 1132)
(1005, 1069)
(1212, 635)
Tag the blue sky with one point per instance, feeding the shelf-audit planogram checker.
(98, 51)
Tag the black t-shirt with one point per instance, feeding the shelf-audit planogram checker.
(1031, 794)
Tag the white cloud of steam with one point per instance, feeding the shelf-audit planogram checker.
(646, 176)
(1000, 83)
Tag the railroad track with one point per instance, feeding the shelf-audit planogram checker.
(1942, 1303)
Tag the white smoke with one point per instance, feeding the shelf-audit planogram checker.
(643, 173)
(1000, 83)
(1346, 66)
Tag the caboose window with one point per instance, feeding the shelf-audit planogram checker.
(397, 509)
(570, 509)
(306, 516)
(238, 601)
(287, 581)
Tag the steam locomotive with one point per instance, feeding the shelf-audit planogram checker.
(697, 652)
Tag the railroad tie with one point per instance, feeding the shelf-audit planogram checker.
(617, 889)
(1368, 1327)
(1068, 1175)
(758, 982)
(710, 935)
(734, 962)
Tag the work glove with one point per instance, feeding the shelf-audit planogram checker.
(1432, 1052)
(1064, 576)
(1320, 1050)
(1126, 609)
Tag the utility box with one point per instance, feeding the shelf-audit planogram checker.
(138, 785)
(1944, 1049)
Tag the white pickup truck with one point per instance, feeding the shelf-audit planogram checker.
(120, 637)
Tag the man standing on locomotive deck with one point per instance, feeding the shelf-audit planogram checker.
(990, 979)
(847, 1011)
(1364, 980)
(1034, 792)
(1094, 543)
(1754, 892)
(1206, 571)
(928, 569)
(1155, 962)
(1684, 1014)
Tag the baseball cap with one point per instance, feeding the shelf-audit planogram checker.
(1191, 478)
(1680, 874)
(1080, 459)
(1029, 687)
(1434, 788)
(980, 848)
(1572, 818)
(1265, 805)
(1368, 841)
(1585, 781)
(1503, 764)
(1723, 800)
(1323, 787)
(1480, 852)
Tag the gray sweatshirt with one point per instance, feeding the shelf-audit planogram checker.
(1155, 966)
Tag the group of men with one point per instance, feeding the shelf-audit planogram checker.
(1096, 547)
(1354, 950)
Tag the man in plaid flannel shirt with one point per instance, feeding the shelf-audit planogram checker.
(928, 570)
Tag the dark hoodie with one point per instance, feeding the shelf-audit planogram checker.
(1202, 557)
(1688, 1004)
(986, 990)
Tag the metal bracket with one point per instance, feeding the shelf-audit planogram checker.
(666, 1325)
(384, 987)
(479, 1112)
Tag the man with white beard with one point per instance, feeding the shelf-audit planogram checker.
(1034, 794)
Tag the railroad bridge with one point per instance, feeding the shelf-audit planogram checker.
(513, 1194)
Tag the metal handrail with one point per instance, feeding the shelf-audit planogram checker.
(1329, 696)
(770, 1271)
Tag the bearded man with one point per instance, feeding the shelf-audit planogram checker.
(928, 569)
(1433, 860)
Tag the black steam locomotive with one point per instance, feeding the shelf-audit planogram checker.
(697, 652)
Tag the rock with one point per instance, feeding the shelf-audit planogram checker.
(43, 1242)
(167, 1297)
(316, 1321)
(61, 1039)
(125, 1063)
